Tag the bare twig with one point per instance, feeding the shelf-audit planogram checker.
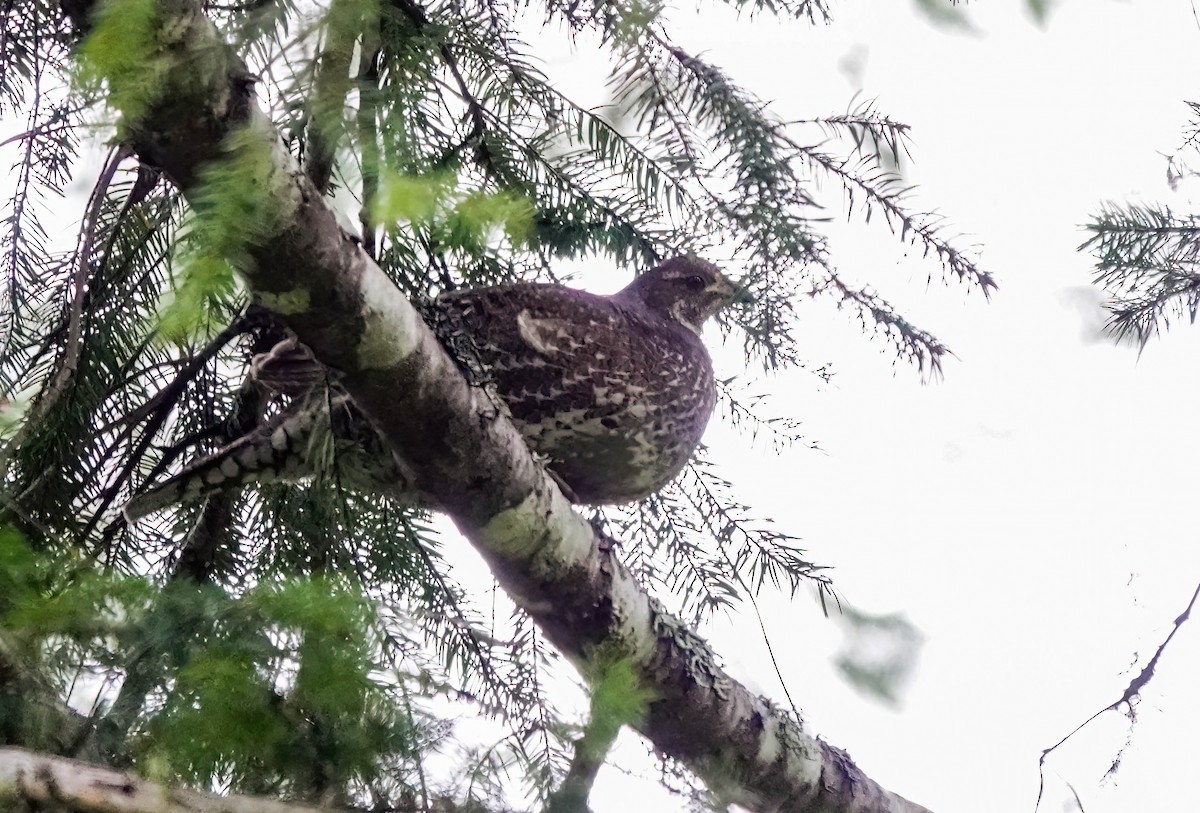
(1128, 697)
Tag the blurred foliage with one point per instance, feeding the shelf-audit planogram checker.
(878, 653)
(122, 60)
(274, 689)
(231, 208)
(954, 15)
(456, 221)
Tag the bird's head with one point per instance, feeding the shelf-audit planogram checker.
(685, 289)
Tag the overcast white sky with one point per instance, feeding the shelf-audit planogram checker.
(1033, 512)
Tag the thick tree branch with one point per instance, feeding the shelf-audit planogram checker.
(41, 782)
(68, 785)
(458, 449)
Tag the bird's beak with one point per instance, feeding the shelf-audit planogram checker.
(741, 293)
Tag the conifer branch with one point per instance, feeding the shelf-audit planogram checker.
(880, 189)
(67, 366)
(478, 468)
(1148, 258)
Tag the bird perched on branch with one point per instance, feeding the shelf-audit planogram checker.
(612, 392)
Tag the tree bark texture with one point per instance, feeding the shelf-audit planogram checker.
(458, 449)
(61, 784)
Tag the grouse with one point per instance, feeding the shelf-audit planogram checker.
(612, 392)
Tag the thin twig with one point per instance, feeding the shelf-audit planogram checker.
(1127, 698)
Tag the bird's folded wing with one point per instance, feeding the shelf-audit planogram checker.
(550, 335)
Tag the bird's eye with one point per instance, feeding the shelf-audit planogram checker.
(694, 282)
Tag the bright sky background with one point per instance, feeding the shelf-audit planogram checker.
(1032, 513)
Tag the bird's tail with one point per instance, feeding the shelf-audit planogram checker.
(316, 436)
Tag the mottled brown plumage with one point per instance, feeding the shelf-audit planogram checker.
(613, 392)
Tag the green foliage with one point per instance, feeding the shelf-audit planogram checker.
(343, 24)
(617, 699)
(17, 568)
(204, 295)
(56, 608)
(415, 199)
(332, 670)
(231, 210)
(52, 594)
(1039, 9)
(457, 221)
(59, 617)
(221, 717)
(478, 215)
(274, 688)
(281, 693)
(122, 54)
(10, 417)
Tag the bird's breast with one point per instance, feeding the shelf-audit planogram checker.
(614, 398)
(614, 435)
